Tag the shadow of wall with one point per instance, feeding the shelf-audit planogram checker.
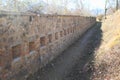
(83, 69)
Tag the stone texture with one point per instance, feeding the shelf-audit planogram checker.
(41, 39)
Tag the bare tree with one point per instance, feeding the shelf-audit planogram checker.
(111, 6)
(117, 5)
(52, 6)
(106, 2)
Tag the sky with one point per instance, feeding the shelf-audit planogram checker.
(71, 4)
(97, 4)
(93, 4)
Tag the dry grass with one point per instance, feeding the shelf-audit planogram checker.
(107, 58)
(107, 65)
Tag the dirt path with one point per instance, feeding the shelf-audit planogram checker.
(71, 63)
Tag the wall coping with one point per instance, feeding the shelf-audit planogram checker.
(5, 13)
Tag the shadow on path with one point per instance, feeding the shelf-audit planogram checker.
(72, 64)
(83, 69)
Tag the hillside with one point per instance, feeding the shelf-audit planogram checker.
(107, 58)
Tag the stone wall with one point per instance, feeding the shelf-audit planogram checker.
(29, 42)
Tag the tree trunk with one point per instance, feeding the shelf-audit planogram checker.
(117, 5)
(105, 8)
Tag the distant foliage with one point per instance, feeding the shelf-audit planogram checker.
(112, 6)
(46, 7)
(100, 17)
(21, 5)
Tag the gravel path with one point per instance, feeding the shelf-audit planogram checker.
(72, 64)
